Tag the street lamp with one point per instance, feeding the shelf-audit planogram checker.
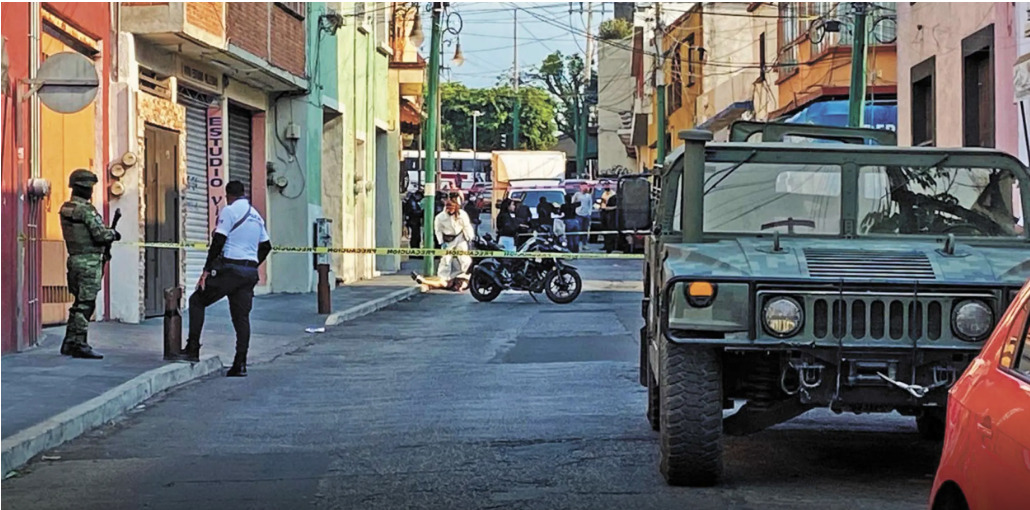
(475, 144)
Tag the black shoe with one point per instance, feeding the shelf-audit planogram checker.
(85, 352)
(237, 370)
(191, 352)
(66, 349)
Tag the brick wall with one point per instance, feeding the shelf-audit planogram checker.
(248, 26)
(206, 16)
(289, 40)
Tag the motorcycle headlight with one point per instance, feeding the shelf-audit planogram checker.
(972, 320)
(782, 316)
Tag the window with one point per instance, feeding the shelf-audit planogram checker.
(973, 202)
(743, 198)
(1016, 351)
(923, 103)
(361, 16)
(978, 89)
(691, 61)
(294, 8)
(382, 23)
(786, 48)
(676, 89)
(761, 56)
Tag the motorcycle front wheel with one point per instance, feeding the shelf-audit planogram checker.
(483, 289)
(563, 286)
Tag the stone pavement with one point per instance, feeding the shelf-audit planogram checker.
(47, 397)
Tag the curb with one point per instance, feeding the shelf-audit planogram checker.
(55, 431)
(375, 305)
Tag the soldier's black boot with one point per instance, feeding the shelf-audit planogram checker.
(84, 352)
(66, 349)
(239, 367)
(191, 352)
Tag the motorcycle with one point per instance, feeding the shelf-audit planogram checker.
(559, 280)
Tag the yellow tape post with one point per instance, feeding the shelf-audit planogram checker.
(423, 252)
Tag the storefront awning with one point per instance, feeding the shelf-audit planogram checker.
(726, 117)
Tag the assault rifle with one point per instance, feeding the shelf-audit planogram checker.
(114, 226)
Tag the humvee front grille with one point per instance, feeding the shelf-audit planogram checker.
(823, 263)
(879, 319)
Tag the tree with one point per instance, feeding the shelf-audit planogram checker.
(614, 29)
(537, 119)
(562, 77)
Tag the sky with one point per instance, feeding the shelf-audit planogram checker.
(488, 30)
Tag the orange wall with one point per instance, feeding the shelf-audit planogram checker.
(832, 68)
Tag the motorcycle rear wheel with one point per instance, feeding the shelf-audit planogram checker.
(483, 289)
(564, 286)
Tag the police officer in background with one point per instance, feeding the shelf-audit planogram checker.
(239, 245)
(85, 236)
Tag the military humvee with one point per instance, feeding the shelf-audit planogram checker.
(780, 277)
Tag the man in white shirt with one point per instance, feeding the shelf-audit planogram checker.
(239, 245)
(584, 201)
(453, 231)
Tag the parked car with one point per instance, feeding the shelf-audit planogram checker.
(531, 196)
(985, 462)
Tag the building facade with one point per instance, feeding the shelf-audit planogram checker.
(956, 71)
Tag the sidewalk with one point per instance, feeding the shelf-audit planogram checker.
(49, 399)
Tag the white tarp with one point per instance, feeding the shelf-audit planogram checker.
(1021, 77)
(521, 167)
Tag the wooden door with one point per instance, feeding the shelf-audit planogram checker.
(161, 224)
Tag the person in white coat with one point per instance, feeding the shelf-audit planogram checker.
(453, 230)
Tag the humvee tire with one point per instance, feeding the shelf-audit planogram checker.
(653, 404)
(690, 415)
(931, 424)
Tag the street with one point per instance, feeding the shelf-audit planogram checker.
(443, 402)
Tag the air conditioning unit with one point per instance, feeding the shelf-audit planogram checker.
(198, 76)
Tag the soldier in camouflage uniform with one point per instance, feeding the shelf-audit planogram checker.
(85, 236)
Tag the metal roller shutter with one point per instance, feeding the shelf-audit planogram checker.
(239, 146)
(196, 185)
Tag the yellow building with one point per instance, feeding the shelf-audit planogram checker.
(683, 47)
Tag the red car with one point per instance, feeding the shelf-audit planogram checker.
(985, 463)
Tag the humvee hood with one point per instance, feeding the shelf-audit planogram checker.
(851, 259)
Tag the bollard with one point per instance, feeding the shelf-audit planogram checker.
(325, 304)
(173, 323)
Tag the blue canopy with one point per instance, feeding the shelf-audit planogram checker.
(879, 115)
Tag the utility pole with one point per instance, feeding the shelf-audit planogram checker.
(856, 99)
(475, 143)
(584, 117)
(431, 140)
(518, 100)
(659, 42)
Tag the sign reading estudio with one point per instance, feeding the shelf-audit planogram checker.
(215, 164)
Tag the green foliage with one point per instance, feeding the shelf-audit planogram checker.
(536, 119)
(562, 77)
(615, 29)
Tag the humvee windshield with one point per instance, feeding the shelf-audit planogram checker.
(806, 199)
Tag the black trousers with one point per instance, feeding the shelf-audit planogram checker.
(237, 283)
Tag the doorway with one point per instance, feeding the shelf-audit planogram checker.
(161, 223)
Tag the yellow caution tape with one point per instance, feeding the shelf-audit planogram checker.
(402, 251)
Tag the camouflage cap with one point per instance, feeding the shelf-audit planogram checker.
(82, 178)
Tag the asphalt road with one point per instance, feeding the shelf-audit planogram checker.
(442, 402)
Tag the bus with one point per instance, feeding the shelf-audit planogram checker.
(458, 169)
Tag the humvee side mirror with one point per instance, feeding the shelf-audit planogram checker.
(633, 204)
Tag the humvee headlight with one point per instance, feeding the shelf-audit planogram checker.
(782, 316)
(972, 320)
(700, 294)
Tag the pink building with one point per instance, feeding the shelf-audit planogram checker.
(955, 75)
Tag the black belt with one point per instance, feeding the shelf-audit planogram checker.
(244, 263)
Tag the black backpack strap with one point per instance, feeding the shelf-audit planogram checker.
(241, 220)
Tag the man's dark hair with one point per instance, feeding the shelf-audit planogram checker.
(235, 189)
